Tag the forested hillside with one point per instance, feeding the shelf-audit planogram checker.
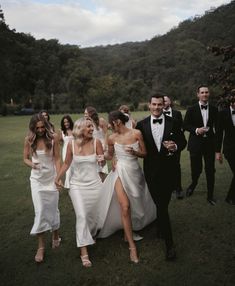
(64, 78)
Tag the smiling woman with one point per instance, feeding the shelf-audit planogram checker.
(85, 184)
(41, 154)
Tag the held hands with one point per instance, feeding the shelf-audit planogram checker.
(59, 184)
(100, 160)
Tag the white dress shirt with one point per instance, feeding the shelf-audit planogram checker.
(205, 113)
(168, 110)
(158, 130)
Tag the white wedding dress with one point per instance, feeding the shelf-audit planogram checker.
(143, 209)
(44, 193)
(66, 140)
(85, 191)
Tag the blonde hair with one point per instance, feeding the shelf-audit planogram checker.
(78, 129)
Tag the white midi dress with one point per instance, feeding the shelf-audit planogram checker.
(44, 193)
(66, 140)
(143, 209)
(85, 191)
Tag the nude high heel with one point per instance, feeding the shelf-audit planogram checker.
(39, 255)
(133, 255)
(86, 261)
(56, 243)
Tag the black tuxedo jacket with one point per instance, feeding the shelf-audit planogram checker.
(225, 133)
(193, 120)
(157, 162)
(176, 115)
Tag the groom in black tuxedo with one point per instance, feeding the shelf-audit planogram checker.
(161, 162)
(225, 133)
(200, 121)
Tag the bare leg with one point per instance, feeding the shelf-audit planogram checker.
(126, 218)
(84, 257)
(41, 248)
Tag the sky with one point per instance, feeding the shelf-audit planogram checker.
(89, 23)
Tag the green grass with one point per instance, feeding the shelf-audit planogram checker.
(204, 235)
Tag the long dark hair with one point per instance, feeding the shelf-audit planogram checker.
(117, 114)
(32, 136)
(92, 113)
(51, 124)
(70, 124)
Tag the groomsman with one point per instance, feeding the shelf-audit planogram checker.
(225, 133)
(200, 120)
(176, 115)
(161, 162)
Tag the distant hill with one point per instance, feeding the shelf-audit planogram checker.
(176, 62)
(64, 78)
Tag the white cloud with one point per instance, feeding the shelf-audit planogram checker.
(100, 22)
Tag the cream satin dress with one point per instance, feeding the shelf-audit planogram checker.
(143, 209)
(44, 193)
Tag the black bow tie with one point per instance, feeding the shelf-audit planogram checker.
(167, 112)
(233, 111)
(157, 121)
(204, 107)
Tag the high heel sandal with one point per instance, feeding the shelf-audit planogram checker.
(39, 255)
(56, 243)
(86, 261)
(133, 257)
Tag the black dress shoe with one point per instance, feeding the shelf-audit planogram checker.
(189, 192)
(170, 254)
(229, 201)
(211, 202)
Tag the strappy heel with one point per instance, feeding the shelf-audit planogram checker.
(86, 261)
(56, 243)
(39, 255)
(133, 257)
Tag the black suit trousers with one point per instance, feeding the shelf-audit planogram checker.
(161, 184)
(208, 154)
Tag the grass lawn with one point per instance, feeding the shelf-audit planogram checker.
(204, 235)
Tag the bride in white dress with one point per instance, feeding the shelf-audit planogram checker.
(131, 205)
(42, 155)
(65, 137)
(85, 184)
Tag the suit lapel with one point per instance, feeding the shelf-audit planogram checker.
(149, 131)
(199, 114)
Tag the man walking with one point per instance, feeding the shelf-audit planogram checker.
(200, 121)
(163, 138)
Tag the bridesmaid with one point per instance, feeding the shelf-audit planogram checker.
(85, 183)
(65, 136)
(42, 155)
(46, 115)
(100, 132)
